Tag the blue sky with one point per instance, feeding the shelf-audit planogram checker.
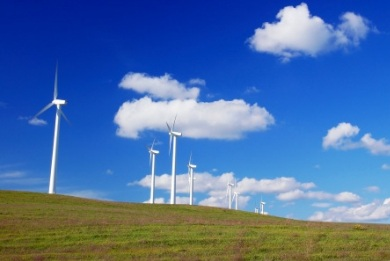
(289, 99)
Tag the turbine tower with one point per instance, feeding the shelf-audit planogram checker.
(172, 143)
(235, 195)
(262, 203)
(58, 103)
(229, 194)
(152, 159)
(191, 168)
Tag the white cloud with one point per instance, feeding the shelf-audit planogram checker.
(12, 174)
(251, 90)
(346, 197)
(277, 185)
(375, 211)
(163, 87)
(318, 195)
(19, 178)
(215, 187)
(386, 166)
(296, 32)
(37, 122)
(373, 189)
(375, 146)
(197, 81)
(339, 137)
(214, 120)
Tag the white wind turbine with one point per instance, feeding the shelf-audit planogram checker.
(262, 203)
(191, 178)
(172, 143)
(229, 194)
(58, 103)
(235, 195)
(152, 159)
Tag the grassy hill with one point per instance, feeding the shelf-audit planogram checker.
(36, 226)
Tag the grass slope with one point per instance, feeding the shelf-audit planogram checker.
(36, 226)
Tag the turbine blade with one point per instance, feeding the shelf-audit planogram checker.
(56, 84)
(173, 126)
(189, 162)
(170, 143)
(151, 148)
(150, 157)
(169, 128)
(44, 109)
(63, 115)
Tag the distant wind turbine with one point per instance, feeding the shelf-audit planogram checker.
(58, 103)
(235, 195)
(191, 168)
(172, 143)
(152, 159)
(262, 203)
(229, 194)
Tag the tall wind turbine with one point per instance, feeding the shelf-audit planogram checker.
(191, 168)
(262, 203)
(229, 194)
(152, 160)
(235, 195)
(58, 103)
(172, 143)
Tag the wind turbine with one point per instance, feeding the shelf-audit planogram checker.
(229, 194)
(191, 168)
(152, 159)
(235, 195)
(58, 103)
(262, 203)
(172, 143)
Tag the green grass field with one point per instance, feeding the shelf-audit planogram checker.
(36, 226)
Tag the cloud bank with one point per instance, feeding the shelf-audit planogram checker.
(340, 137)
(298, 33)
(166, 97)
(212, 188)
(374, 211)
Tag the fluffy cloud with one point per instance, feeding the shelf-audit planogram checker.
(33, 121)
(215, 187)
(340, 137)
(375, 211)
(214, 120)
(163, 87)
(345, 197)
(297, 33)
(373, 189)
(375, 146)
(277, 185)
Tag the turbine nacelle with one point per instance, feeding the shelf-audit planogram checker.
(175, 133)
(59, 102)
(192, 166)
(154, 151)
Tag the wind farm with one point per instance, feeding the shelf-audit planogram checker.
(123, 77)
